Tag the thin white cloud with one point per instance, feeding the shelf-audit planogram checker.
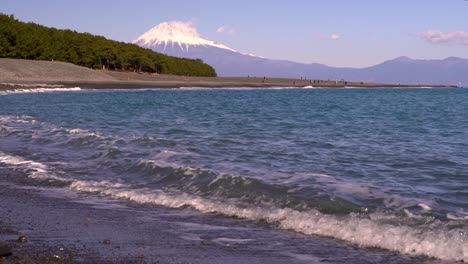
(226, 30)
(438, 37)
(334, 37)
(221, 29)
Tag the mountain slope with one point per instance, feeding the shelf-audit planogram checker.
(175, 33)
(405, 70)
(181, 39)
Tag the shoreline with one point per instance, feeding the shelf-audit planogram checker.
(232, 82)
(28, 74)
(62, 226)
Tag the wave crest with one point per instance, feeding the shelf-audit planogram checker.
(440, 240)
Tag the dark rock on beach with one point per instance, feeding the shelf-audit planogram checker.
(5, 250)
(22, 239)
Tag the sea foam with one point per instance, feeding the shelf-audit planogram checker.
(374, 230)
(39, 90)
(36, 170)
(437, 239)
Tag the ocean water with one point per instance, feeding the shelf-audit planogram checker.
(375, 168)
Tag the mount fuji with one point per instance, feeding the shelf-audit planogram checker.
(181, 39)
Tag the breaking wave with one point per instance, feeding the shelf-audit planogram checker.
(39, 90)
(250, 199)
(439, 239)
(159, 180)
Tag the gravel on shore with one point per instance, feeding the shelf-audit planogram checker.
(19, 74)
(61, 226)
(40, 223)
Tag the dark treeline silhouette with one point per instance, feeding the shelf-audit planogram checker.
(31, 41)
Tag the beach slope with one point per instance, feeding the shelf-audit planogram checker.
(50, 74)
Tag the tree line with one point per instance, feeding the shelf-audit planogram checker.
(31, 41)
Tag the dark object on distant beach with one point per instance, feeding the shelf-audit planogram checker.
(22, 239)
(106, 242)
(5, 250)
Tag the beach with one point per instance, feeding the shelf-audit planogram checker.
(17, 74)
(62, 227)
(65, 227)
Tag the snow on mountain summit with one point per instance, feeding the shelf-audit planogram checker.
(180, 33)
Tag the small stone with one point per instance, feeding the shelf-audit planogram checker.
(5, 251)
(106, 242)
(22, 239)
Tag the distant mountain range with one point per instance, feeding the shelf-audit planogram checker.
(181, 40)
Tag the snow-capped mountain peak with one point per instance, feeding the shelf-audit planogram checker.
(173, 33)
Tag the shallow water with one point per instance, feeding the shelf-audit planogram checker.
(385, 168)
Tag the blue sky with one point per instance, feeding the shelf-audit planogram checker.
(355, 33)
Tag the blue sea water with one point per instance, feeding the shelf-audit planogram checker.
(384, 168)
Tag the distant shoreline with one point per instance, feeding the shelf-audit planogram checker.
(187, 84)
(21, 74)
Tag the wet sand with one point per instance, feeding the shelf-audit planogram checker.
(62, 226)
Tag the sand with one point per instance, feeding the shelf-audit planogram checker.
(46, 74)
(64, 227)
(18, 71)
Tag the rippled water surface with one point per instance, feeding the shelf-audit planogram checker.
(383, 168)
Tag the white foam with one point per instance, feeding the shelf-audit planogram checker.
(83, 132)
(162, 163)
(456, 217)
(438, 241)
(284, 178)
(162, 159)
(411, 215)
(13, 121)
(17, 119)
(39, 90)
(36, 170)
(425, 207)
(341, 186)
